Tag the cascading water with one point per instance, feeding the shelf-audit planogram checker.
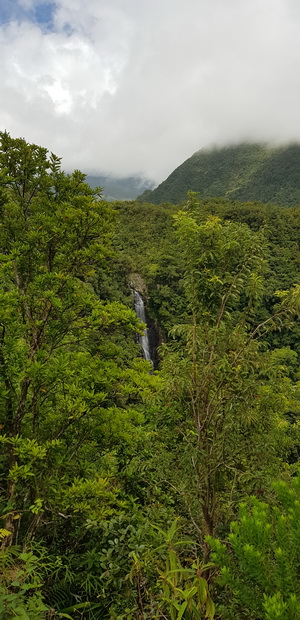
(139, 307)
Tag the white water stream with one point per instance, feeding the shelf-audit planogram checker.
(139, 307)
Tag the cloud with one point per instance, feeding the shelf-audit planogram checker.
(133, 87)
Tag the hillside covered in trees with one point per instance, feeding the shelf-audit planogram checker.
(254, 172)
(133, 492)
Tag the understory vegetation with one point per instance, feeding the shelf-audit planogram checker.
(133, 493)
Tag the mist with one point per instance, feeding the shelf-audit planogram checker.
(134, 88)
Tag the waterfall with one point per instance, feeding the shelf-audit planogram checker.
(139, 307)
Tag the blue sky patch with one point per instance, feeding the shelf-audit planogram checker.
(42, 13)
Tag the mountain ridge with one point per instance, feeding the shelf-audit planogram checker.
(244, 172)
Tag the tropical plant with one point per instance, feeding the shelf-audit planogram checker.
(260, 560)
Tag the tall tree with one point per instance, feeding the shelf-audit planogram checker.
(66, 388)
(227, 394)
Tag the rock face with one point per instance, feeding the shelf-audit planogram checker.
(247, 172)
(137, 283)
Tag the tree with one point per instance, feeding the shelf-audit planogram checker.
(228, 395)
(68, 393)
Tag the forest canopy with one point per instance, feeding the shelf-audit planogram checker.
(128, 492)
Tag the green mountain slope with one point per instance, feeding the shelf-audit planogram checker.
(244, 172)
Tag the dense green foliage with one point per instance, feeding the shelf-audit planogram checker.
(260, 563)
(244, 172)
(117, 480)
(70, 388)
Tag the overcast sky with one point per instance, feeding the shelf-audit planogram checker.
(136, 86)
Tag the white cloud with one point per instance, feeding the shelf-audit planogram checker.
(136, 87)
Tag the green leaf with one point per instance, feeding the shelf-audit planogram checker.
(76, 607)
(209, 609)
(182, 610)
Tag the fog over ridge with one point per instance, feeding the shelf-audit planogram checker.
(133, 88)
